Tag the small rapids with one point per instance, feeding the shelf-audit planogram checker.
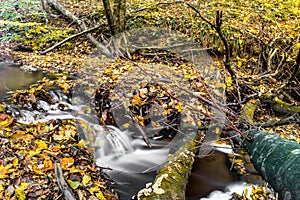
(127, 158)
(123, 154)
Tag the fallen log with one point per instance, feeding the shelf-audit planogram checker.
(278, 161)
(283, 107)
(171, 180)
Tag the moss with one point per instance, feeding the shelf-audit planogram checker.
(171, 180)
(247, 112)
(284, 108)
(37, 35)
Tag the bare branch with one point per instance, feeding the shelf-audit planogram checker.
(297, 65)
(217, 27)
(70, 38)
(64, 187)
(82, 25)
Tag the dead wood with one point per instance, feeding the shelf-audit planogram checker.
(70, 38)
(83, 27)
(171, 180)
(64, 187)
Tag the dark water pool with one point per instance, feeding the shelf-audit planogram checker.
(13, 78)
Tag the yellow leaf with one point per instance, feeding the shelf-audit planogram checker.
(4, 170)
(228, 81)
(94, 189)
(15, 162)
(73, 184)
(73, 169)
(5, 120)
(100, 195)
(217, 130)
(220, 85)
(40, 87)
(34, 152)
(20, 191)
(82, 144)
(85, 180)
(126, 125)
(140, 120)
(41, 144)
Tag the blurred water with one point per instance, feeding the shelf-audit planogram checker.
(125, 157)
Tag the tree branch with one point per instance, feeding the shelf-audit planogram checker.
(83, 26)
(70, 38)
(64, 187)
(217, 27)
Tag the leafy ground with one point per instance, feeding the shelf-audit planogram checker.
(264, 41)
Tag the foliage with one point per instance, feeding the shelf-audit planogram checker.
(29, 152)
(20, 10)
(252, 36)
(263, 37)
(35, 35)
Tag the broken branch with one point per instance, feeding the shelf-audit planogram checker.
(70, 38)
(83, 26)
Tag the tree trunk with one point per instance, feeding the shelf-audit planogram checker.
(119, 13)
(115, 17)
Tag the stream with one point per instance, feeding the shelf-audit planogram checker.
(128, 159)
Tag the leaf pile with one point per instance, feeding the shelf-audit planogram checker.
(29, 152)
(148, 90)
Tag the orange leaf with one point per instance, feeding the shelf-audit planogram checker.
(66, 163)
(4, 170)
(48, 164)
(135, 100)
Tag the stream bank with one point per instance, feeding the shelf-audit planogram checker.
(126, 183)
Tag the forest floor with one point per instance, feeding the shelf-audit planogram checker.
(264, 51)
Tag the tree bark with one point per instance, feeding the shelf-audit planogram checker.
(109, 16)
(115, 16)
(119, 12)
(278, 161)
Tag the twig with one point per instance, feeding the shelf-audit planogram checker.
(70, 38)
(217, 27)
(141, 130)
(297, 65)
(46, 9)
(67, 192)
(285, 121)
